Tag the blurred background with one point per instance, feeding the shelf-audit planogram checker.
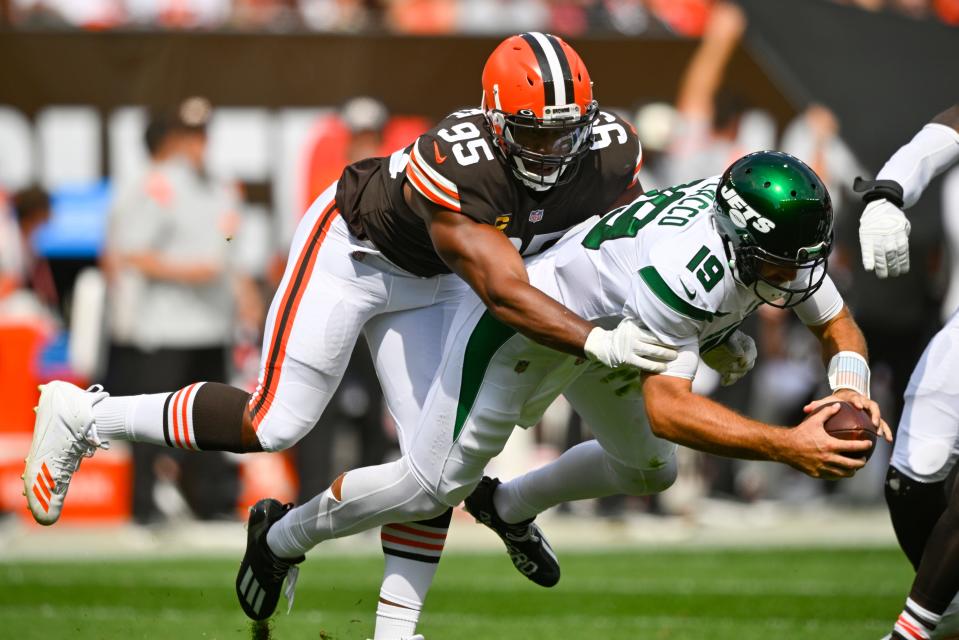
(240, 112)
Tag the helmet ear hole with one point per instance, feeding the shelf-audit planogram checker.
(793, 193)
(530, 81)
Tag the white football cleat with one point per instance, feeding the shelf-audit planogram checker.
(63, 435)
(418, 636)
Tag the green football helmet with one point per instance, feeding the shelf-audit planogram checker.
(776, 216)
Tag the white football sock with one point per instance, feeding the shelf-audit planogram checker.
(369, 497)
(165, 419)
(584, 471)
(412, 552)
(110, 417)
(405, 583)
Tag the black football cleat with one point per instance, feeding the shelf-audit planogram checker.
(525, 543)
(260, 579)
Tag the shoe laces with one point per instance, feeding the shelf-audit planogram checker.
(291, 575)
(280, 569)
(82, 446)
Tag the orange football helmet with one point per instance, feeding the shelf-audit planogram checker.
(538, 101)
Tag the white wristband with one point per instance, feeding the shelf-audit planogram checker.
(849, 370)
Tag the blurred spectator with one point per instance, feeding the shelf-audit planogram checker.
(361, 129)
(20, 267)
(349, 16)
(685, 17)
(36, 14)
(501, 16)
(421, 17)
(813, 137)
(266, 15)
(178, 14)
(655, 124)
(947, 11)
(170, 233)
(710, 130)
(915, 9)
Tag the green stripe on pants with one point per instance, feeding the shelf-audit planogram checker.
(489, 335)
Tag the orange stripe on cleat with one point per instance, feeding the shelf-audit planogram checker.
(43, 485)
(46, 474)
(43, 503)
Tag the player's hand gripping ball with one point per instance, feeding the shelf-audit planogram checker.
(850, 423)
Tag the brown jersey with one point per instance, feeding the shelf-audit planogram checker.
(457, 166)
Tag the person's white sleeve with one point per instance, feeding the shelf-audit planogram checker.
(672, 320)
(821, 306)
(931, 151)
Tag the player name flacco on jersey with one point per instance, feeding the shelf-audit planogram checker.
(457, 166)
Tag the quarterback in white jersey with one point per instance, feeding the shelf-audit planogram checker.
(669, 262)
(923, 502)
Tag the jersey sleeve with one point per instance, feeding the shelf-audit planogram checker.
(821, 306)
(455, 166)
(666, 315)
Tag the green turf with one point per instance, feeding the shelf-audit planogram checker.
(659, 595)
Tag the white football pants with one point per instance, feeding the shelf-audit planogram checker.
(334, 287)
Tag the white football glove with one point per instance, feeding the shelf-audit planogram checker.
(732, 359)
(884, 237)
(630, 345)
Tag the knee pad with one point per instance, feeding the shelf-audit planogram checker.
(641, 482)
(422, 506)
(394, 486)
(283, 428)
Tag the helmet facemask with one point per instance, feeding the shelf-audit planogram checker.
(544, 152)
(754, 266)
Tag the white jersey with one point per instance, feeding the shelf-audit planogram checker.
(661, 262)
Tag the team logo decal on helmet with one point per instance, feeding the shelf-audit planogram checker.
(776, 216)
(538, 102)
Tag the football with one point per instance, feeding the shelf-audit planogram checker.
(850, 423)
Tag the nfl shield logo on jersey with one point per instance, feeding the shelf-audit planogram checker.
(535, 215)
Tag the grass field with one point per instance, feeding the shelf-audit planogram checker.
(819, 594)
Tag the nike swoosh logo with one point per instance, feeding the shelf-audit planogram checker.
(689, 294)
(440, 159)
